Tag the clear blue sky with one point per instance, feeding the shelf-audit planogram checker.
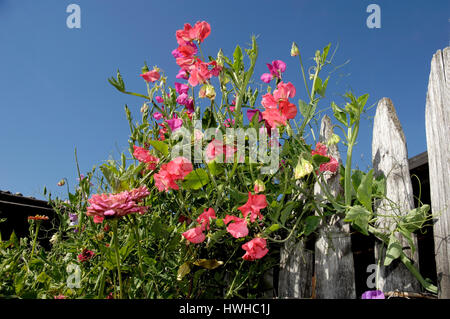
(54, 94)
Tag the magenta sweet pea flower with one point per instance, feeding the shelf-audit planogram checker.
(159, 99)
(373, 294)
(181, 88)
(182, 74)
(175, 123)
(266, 77)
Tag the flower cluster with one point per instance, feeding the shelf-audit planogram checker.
(192, 67)
(278, 109)
(171, 172)
(117, 205)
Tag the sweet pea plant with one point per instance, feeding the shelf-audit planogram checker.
(216, 180)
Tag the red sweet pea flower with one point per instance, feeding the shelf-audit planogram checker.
(151, 76)
(85, 255)
(199, 32)
(253, 206)
(332, 165)
(274, 117)
(143, 155)
(171, 172)
(195, 235)
(238, 227)
(204, 217)
(255, 249)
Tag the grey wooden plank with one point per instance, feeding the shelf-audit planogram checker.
(437, 119)
(390, 158)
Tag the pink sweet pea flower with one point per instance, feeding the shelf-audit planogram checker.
(238, 227)
(159, 99)
(266, 77)
(176, 54)
(182, 99)
(151, 76)
(288, 110)
(274, 117)
(199, 32)
(199, 73)
(60, 297)
(255, 249)
(284, 91)
(216, 148)
(195, 235)
(253, 206)
(268, 101)
(204, 217)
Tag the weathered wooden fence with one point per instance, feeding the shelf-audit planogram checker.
(327, 270)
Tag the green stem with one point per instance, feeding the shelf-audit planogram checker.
(38, 223)
(116, 248)
(230, 291)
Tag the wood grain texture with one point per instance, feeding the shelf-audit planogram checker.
(296, 271)
(334, 267)
(437, 119)
(390, 158)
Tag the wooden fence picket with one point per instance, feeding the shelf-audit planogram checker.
(334, 267)
(390, 158)
(437, 119)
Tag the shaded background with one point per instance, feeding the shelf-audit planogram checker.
(54, 94)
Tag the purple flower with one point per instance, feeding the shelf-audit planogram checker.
(251, 113)
(373, 294)
(73, 219)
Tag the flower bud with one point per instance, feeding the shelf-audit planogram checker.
(259, 186)
(334, 139)
(303, 168)
(207, 91)
(61, 182)
(144, 108)
(294, 49)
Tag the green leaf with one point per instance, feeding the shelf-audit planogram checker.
(359, 217)
(339, 114)
(415, 219)
(319, 159)
(393, 251)
(272, 228)
(364, 191)
(196, 179)
(311, 224)
(208, 263)
(184, 269)
(362, 100)
(287, 211)
(215, 168)
(160, 146)
(325, 52)
(304, 108)
(238, 59)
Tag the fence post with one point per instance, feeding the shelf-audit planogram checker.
(390, 158)
(296, 271)
(334, 267)
(437, 120)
